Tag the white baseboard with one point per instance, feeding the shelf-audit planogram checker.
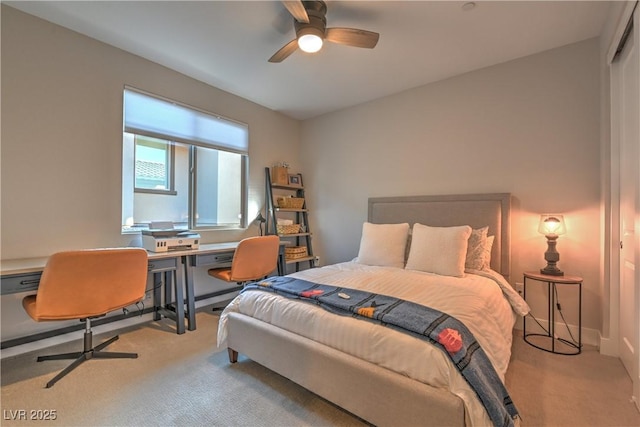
(609, 347)
(217, 299)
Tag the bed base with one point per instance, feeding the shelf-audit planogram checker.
(375, 394)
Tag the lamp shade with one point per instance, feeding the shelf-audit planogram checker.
(551, 225)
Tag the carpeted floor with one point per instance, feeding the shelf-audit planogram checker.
(582, 390)
(181, 380)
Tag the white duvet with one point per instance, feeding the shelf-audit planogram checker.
(483, 301)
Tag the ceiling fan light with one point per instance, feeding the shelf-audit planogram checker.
(310, 43)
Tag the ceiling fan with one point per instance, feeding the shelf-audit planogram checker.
(310, 24)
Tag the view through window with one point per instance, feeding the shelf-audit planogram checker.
(153, 165)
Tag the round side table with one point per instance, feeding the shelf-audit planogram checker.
(552, 282)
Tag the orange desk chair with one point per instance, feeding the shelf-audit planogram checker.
(254, 259)
(84, 285)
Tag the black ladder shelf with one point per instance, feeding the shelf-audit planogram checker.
(301, 215)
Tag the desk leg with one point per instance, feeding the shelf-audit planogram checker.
(156, 279)
(282, 266)
(188, 263)
(168, 293)
(179, 304)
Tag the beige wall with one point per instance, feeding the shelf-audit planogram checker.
(61, 161)
(62, 136)
(529, 127)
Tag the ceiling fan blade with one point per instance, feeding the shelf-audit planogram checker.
(296, 8)
(352, 37)
(285, 51)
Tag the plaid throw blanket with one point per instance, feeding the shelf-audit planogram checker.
(442, 330)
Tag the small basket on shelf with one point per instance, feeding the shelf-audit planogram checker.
(290, 202)
(295, 252)
(288, 228)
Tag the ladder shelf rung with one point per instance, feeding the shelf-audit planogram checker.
(301, 259)
(290, 210)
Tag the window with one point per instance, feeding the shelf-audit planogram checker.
(154, 159)
(181, 165)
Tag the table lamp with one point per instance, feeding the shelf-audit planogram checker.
(260, 220)
(551, 225)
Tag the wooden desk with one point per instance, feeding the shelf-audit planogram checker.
(166, 268)
(23, 275)
(20, 275)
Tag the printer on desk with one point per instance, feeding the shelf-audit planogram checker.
(165, 240)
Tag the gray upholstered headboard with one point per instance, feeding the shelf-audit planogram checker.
(475, 210)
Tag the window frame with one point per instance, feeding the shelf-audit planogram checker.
(193, 199)
(171, 172)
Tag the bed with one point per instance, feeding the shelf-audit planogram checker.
(384, 376)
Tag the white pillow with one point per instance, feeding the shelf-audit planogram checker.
(383, 244)
(440, 250)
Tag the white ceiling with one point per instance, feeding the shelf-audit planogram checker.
(227, 43)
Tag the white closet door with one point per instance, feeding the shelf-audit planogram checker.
(628, 69)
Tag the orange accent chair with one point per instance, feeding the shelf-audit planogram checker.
(85, 285)
(254, 259)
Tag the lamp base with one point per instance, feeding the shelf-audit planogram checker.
(552, 257)
(551, 271)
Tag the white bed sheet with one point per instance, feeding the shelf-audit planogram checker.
(476, 299)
